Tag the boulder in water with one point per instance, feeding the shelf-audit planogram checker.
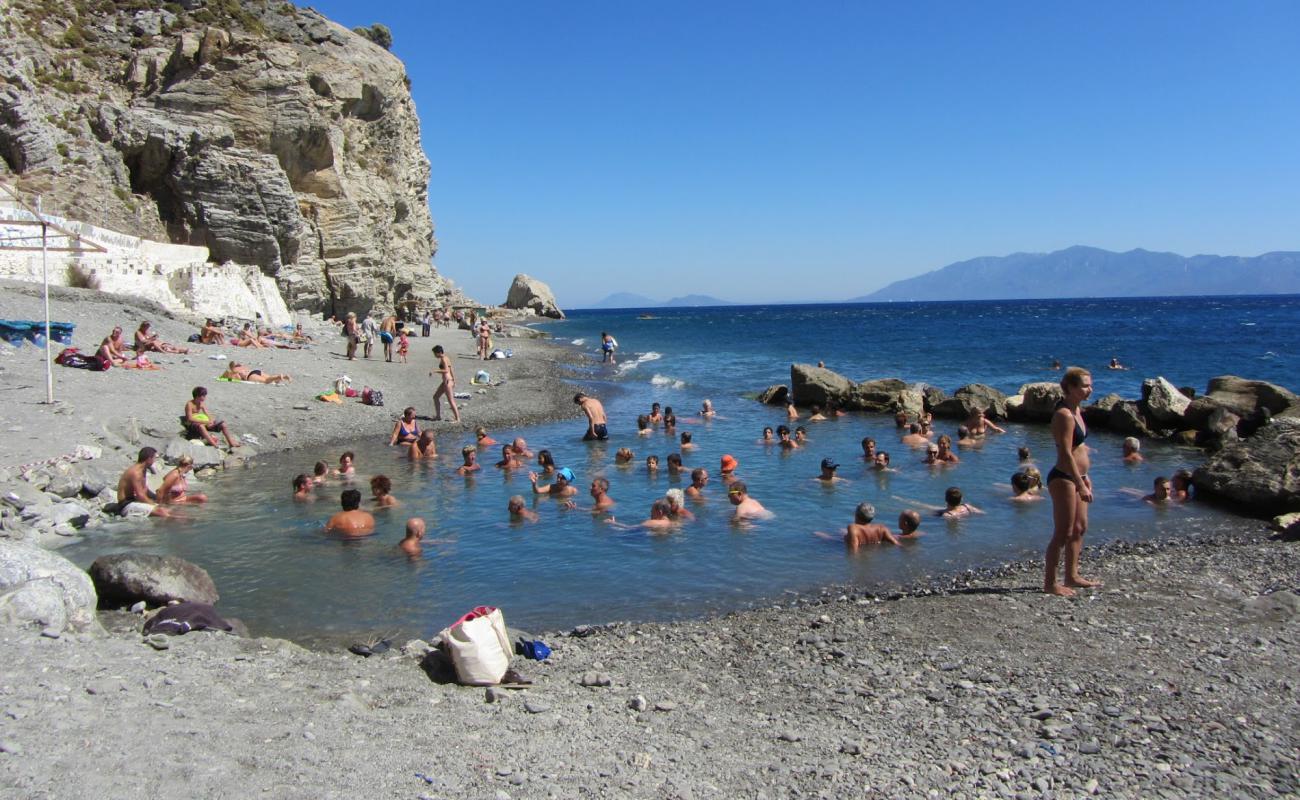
(1126, 419)
(882, 395)
(1262, 472)
(1097, 415)
(1245, 398)
(777, 395)
(1163, 403)
(527, 292)
(43, 589)
(811, 385)
(971, 398)
(932, 396)
(125, 578)
(1039, 402)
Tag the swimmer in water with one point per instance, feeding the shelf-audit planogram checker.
(686, 443)
(862, 531)
(699, 477)
(410, 544)
(470, 454)
(1132, 450)
(302, 488)
(746, 506)
(868, 450)
(518, 513)
(1022, 486)
(1161, 493)
(351, 521)
(909, 524)
(828, 475)
(624, 456)
(381, 488)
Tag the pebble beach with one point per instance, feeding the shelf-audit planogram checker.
(1175, 679)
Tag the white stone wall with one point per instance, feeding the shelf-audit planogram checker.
(179, 277)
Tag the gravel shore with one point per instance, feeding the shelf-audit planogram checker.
(121, 410)
(1177, 679)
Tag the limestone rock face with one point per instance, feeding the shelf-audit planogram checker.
(125, 578)
(527, 292)
(265, 132)
(43, 589)
(884, 394)
(1262, 472)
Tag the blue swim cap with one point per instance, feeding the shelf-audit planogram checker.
(566, 473)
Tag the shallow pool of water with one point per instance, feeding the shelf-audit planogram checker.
(277, 570)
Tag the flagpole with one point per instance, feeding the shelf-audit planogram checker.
(45, 281)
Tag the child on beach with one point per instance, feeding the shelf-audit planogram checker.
(403, 346)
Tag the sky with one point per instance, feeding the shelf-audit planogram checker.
(800, 152)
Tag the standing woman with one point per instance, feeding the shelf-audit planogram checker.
(1069, 485)
(448, 386)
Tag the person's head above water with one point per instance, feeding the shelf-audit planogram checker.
(952, 497)
(864, 513)
(350, 499)
(515, 504)
(909, 521)
(728, 463)
(737, 492)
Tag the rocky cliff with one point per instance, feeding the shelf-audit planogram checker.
(263, 131)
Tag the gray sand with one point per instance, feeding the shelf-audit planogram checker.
(91, 403)
(1176, 679)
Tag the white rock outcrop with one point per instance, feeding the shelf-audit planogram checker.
(528, 293)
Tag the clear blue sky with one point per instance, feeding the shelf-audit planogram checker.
(791, 152)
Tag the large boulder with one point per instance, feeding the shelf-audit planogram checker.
(1126, 419)
(1097, 415)
(204, 455)
(1163, 403)
(43, 589)
(883, 395)
(971, 398)
(777, 395)
(932, 396)
(126, 578)
(1262, 472)
(1244, 398)
(811, 385)
(1040, 401)
(529, 293)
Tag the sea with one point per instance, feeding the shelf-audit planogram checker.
(282, 576)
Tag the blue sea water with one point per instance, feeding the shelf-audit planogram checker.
(278, 572)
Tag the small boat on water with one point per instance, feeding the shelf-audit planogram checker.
(646, 316)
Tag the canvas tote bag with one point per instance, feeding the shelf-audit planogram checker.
(479, 646)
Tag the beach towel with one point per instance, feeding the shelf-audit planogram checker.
(330, 397)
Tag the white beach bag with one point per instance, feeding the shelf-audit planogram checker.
(479, 646)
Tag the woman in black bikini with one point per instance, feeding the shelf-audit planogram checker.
(1069, 485)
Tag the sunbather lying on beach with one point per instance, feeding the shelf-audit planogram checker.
(242, 372)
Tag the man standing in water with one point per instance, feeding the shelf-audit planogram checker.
(595, 417)
(351, 521)
(448, 386)
(746, 506)
(607, 347)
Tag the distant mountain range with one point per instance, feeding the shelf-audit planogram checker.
(630, 300)
(1091, 272)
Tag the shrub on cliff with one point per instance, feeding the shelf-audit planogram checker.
(377, 33)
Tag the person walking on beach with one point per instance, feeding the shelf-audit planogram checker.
(387, 333)
(596, 420)
(607, 347)
(1069, 486)
(448, 386)
(353, 333)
